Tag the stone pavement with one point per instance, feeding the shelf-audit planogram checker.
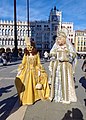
(55, 111)
(46, 110)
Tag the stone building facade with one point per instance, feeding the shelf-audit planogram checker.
(80, 41)
(41, 31)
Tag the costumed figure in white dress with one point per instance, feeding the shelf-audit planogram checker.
(63, 60)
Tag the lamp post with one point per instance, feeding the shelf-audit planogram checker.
(28, 16)
(15, 32)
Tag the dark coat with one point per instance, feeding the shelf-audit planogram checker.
(84, 66)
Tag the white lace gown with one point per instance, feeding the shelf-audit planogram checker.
(62, 83)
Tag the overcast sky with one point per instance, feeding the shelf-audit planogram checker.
(72, 10)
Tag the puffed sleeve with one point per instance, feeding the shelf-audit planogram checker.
(39, 65)
(53, 52)
(21, 66)
(72, 57)
(38, 59)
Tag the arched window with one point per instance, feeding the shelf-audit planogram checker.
(8, 31)
(0, 32)
(18, 42)
(21, 42)
(23, 32)
(7, 41)
(4, 42)
(20, 32)
(12, 32)
(0, 41)
(12, 41)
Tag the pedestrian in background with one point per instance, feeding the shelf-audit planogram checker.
(46, 55)
(4, 58)
(83, 79)
(84, 68)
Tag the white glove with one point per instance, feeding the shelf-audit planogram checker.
(22, 67)
(39, 73)
(52, 58)
(60, 59)
(19, 73)
(50, 68)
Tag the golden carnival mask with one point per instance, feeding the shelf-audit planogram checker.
(29, 47)
(28, 43)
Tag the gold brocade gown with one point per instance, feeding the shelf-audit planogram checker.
(27, 79)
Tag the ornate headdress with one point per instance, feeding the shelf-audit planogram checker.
(28, 43)
(63, 32)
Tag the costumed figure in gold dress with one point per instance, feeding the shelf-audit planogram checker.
(61, 70)
(31, 80)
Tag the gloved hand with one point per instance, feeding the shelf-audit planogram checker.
(52, 58)
(61, 59)
(39, 73)
(19, 72)
(50, 68)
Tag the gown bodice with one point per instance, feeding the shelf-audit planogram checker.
(62, 54)
(32, 61)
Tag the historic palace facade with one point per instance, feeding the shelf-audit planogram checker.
(80, 41)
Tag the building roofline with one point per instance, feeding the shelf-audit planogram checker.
(80, 30)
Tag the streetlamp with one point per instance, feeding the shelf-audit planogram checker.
(15, 32)
(28, 16)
